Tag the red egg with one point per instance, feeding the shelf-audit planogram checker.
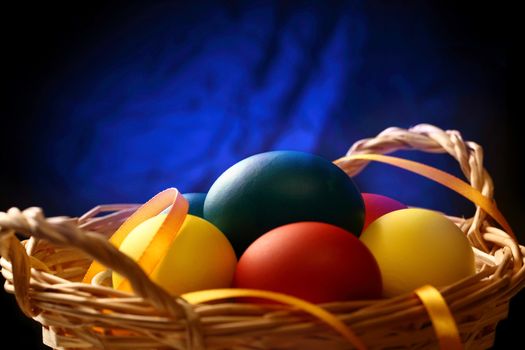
(314, 261)
(377, 205)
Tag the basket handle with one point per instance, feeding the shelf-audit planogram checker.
(430, 139)
(64, 231)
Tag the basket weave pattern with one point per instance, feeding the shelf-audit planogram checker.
(44, 273)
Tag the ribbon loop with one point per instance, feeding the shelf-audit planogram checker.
(167, 232)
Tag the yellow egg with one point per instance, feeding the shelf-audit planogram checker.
(200, 257)
(414, 247)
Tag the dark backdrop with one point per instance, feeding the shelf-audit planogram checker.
(114, 101)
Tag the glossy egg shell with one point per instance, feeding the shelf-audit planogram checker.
(200, 256)
(414, 247)
(272, 189)
(314, 261)
(196, 201)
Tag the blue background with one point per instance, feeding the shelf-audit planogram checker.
(114, 102)
(172, 94)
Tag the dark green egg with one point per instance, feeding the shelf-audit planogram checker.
(196, 202)
(272, 189)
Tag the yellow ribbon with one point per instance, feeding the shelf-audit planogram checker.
(160, 243)
(227, 293)
(441, 317)
(442, 178)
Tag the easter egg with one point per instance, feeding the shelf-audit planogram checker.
(272, 189)
(414, 247)
(196, 202)
(377, 205)
(200, 256)
(314, 261)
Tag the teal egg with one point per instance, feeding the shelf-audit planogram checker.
(272, 189)
(196, 202)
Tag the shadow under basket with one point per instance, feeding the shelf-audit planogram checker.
(45, 273)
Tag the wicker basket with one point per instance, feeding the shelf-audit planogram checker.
(44, 273)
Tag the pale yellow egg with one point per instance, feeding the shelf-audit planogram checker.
(414, 247)
(200, 257)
